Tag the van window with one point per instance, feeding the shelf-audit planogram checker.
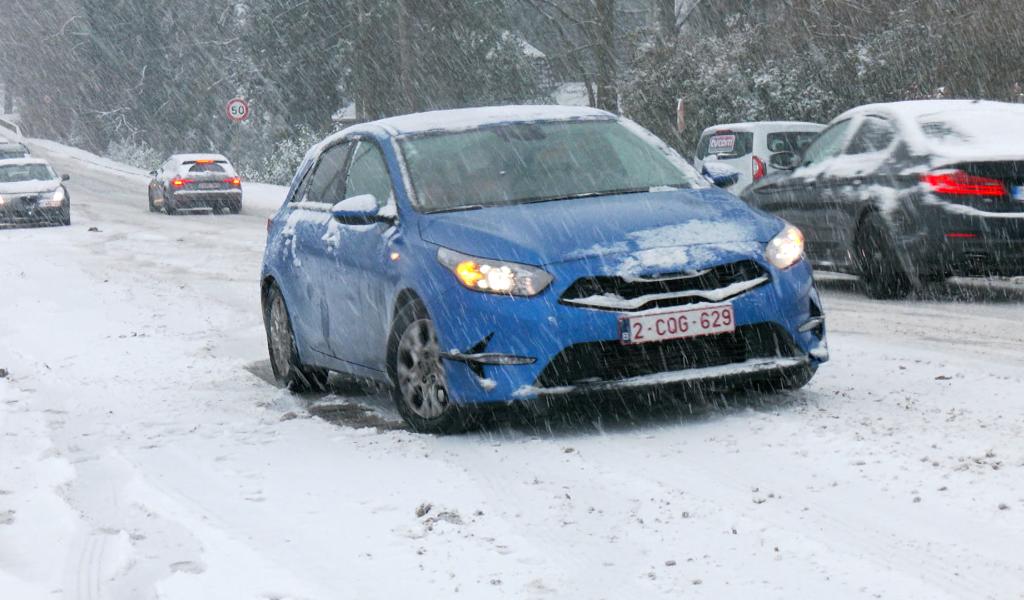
(790, 141)
(725, 144)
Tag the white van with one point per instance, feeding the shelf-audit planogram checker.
(747, 147)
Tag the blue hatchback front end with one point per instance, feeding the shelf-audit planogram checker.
(485, 256)
(569, 338)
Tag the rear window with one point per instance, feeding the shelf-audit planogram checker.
(725, 144)
(972, 127)
(206, 168)
(13, 152)
(790, 141)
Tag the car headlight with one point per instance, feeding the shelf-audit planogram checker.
(2, 200)
(58, 197)
(494, 276)
(786, 249)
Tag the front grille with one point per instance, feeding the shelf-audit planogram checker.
(612, 361)
(671, 290)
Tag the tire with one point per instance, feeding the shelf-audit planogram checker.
(169, 204)
(419, 387)
(65, 215)
(152, 206)
(235, 208)
(289, 371)
(879, 264)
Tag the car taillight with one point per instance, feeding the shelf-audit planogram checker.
(959, 183)
(178, 181)
(759, 169)
(235, 181)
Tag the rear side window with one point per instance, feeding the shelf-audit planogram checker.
(206, 168)
(875, 134)
(725, 144)
(790, 141)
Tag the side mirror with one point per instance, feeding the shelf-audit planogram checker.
(720, 174)
(784, 161)
(359, 210)
(65, 177)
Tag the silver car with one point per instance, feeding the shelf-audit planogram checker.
(195, 182)
(32, 193)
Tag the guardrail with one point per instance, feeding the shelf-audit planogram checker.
(9, 127)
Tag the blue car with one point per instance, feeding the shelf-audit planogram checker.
(475, 257)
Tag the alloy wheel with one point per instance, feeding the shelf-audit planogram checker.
(421, 379)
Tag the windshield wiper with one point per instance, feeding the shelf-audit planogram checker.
(587, 195)
(454, 209)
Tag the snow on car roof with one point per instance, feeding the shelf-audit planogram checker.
(956, 130)
(23, 161)
(751, 125)
(462, 119)
(184, 158)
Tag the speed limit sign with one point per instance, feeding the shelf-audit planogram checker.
(238, 109)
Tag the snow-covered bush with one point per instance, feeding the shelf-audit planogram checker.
(137, 154)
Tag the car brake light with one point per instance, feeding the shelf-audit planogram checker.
(205, 161)
(961, 235)
(959, 183)
(178, 181)
(759, 169)
(235, 181)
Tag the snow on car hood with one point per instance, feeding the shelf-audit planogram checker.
(641, 231)
(33, 186)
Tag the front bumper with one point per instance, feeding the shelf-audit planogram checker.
(545, 330)
(35, 216)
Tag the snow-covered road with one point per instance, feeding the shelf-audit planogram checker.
(143, 454)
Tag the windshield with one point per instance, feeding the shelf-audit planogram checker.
(519, 163)
(36, 172)
(206, 168)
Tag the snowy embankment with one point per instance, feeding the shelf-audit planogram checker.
(144, 455)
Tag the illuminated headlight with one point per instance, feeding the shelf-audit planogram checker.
(494, 276)
(786, 249)
(3, 200)
(57, 199)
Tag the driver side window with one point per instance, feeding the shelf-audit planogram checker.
(368, 174)
(828, 144)
(326, 185)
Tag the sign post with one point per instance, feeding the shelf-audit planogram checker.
(680, 115)
(237, 110)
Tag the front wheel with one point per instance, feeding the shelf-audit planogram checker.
(284, 355)
(879, 263)
(420, 388)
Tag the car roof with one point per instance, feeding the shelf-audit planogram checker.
(911, 109)
(23, 161)
(184, 158)
(755, 125)
(9, 143)
(464, 119)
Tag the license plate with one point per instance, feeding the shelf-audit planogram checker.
(658, 327)
(209, 186)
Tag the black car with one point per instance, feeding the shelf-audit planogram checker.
(10, 150)
(195, 181)
(908, 192)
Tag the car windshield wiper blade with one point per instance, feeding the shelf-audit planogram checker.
(454, 209)
(587, 195)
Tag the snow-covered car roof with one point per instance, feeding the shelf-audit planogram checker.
(23, 161)
(462, 119)
(955, 129)
(752, 125)
(190, 158)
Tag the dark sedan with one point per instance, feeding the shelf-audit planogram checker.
(908, 192)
